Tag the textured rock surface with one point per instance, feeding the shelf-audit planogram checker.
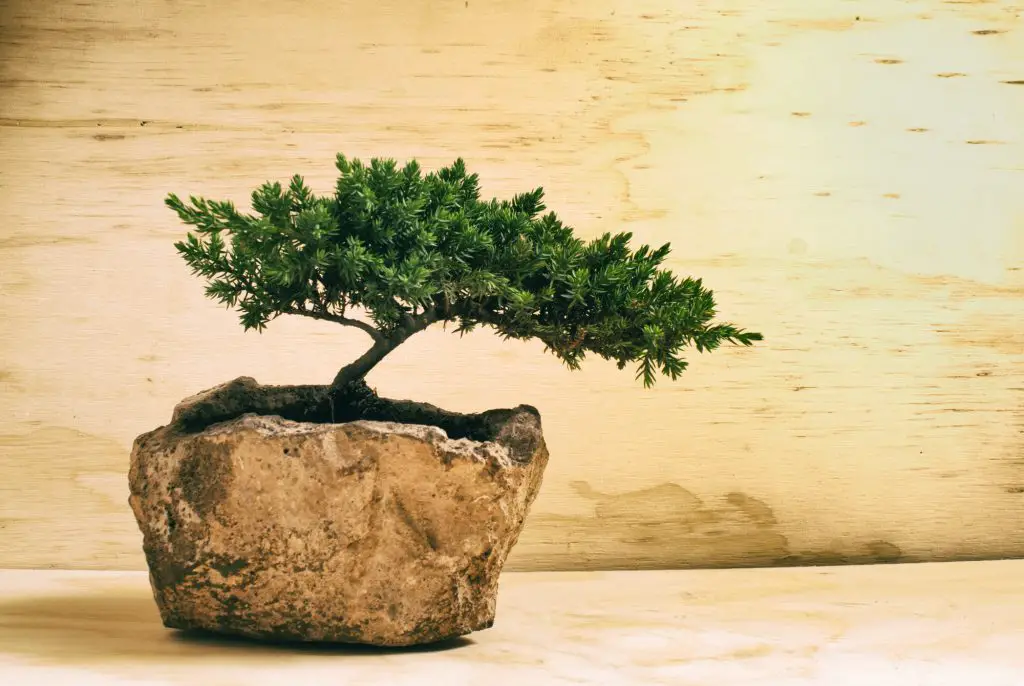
(372, 532)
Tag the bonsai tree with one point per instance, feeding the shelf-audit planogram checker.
(406, 249)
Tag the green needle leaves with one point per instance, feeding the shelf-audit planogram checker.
(403, 246)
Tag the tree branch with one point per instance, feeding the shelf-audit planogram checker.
(369, 329)
(424, 319)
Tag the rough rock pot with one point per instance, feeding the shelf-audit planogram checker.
(262, 517)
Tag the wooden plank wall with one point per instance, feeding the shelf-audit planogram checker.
(848, 177)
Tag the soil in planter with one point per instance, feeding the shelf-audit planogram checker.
(314, 404)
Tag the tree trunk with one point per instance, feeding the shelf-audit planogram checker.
(381, 347)
(362, 366)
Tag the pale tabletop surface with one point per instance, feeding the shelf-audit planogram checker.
(960, 624)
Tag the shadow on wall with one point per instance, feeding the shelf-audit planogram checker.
(122, 625)
(662, 527)
(668, 527)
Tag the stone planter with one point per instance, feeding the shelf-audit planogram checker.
(390, 529)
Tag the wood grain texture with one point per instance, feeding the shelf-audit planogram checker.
(848, 178)
(893, 625)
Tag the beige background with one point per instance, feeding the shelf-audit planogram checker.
(848, 177)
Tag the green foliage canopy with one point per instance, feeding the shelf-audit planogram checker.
(409, 249)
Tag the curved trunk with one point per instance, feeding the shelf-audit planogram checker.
(381, 347)
(362, 366)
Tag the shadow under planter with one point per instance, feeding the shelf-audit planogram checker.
(113, 624)
(263, 518)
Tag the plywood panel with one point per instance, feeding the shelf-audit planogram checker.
(850, 180)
